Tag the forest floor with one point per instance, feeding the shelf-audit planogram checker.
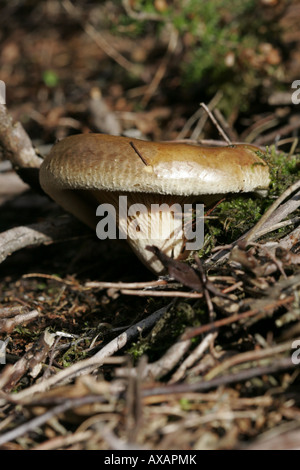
(99, 352)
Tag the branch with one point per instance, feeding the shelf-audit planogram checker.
(53, 230)
(16, 143)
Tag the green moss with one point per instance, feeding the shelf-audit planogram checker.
(166, 331)
(73, 354)
(283, 169)
(234, 217)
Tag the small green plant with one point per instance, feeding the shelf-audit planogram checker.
(50, 78)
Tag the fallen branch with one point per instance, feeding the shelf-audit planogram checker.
(16, 143)
(7, 325)
(53, 230)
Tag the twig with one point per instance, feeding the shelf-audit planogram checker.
(204, 116)
(53, 230)
(125, 285)
(42, 419)
(9, 324)
(213, 119)
(237, 317)
(271, 228)
(16, 143)
(104, 45)
(193, 357)
(258, 127)
(167, 362)
(265, 139)
(161, 293)
(65, 441)
(196, 117)
(134, 407)
(205, 287)
(7, 312)
(227, 128)
(252, 234)
(50, 277)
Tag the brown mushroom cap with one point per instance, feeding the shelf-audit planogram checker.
(112, 163)
(82, 171)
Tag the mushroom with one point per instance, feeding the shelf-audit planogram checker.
(83, 172)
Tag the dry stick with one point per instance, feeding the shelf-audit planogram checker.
(196, 117)
(203, 117)
(31, 361)
(272, 227)
(42, 419)
(7, 312)
(258, 128)
(225, 126)
(284, 130)
(206, 292)
(284, 210)
(134, 415)
(263, 220)
(104, 45)
(7, 325)
(167, 362)
(193, 357)
(125, 285)
(213, 119)
(161, 293)
(88, 365)
(16, 143)
(50, 277)
(65, 441)
(53, 230)
(293, 147)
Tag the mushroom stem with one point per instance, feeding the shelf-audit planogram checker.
(147, 220)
